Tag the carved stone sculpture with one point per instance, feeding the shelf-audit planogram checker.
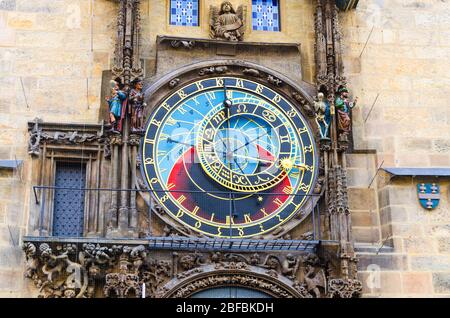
(137, 104)
(343, 106)
(323, 115)
(226, 23)
(115, 102)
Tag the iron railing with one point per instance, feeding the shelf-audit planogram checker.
(206, 243)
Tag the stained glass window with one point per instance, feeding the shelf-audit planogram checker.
(184, 12)
(265, 15)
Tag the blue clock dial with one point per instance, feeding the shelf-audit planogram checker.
(229, 157)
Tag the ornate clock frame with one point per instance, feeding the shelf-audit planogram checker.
(115, 262)
(290, 90)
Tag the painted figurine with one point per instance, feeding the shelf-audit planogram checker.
(115, 103)
(137, 107)
(323, 115)
(343, 106)
(226, 23)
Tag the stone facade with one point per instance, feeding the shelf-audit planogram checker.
(53, 56)
(394, 53)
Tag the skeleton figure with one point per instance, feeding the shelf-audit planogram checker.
(323, 115)
(227, 23)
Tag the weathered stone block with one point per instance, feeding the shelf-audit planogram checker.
(364, 219)
(361, 199)
(366, 234)
(386, 262)
(421, 245)
(10, 257)
(441, 283)
(359, 177)
(11, 280)
(444, 245)
(417, 283)
(8, 5)
(430, 263)
(393, 213)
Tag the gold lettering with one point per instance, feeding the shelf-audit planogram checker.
(284, 139)
(195, 210)
(308, 149)
(288, 190)
(149, 161)
(199, 85)
(259, 88)
(278, 202)
(155, 122)
(229, 220)
(269, 116)
(181, 199)
(219, 117)
(247, 218)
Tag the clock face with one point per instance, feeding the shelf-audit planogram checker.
(229, 157)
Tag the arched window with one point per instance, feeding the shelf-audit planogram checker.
(184, 12)
(266, 15)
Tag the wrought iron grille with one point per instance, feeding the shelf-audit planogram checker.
(68, 212)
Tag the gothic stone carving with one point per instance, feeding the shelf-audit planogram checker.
(88, 270)
(41, 133)
(226, 23)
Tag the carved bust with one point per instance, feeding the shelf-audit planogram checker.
(226, 23)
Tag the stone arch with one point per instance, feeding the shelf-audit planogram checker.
(229, 275)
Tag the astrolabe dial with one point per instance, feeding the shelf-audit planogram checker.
(228, 157)
(249, 146)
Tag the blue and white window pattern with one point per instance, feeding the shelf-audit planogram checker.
(266, 15)
(184, 12)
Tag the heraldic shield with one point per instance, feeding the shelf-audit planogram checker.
(429, 195)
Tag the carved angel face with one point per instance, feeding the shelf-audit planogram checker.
(227, 7)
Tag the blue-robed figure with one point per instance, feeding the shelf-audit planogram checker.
(115, 103)
(323, 115)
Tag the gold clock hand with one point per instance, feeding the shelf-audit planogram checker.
(252, 158)
(302, 166)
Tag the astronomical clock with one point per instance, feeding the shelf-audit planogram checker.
(229, 156)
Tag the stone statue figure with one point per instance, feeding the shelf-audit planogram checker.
(227, 23)
(343, 107)
(323, 115)
(137, 103)
(115, 102)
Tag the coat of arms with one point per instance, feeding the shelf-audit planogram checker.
(429, 195)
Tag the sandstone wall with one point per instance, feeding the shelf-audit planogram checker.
(399, 50)
(52, 54)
